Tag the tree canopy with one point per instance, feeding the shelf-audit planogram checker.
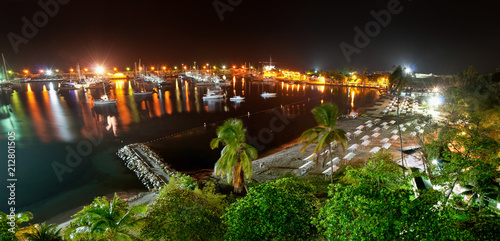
(279, 210)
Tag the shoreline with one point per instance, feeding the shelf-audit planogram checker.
(281, 152)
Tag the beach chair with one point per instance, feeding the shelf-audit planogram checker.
(329, 170)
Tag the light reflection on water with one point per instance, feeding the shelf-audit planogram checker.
(47, 119)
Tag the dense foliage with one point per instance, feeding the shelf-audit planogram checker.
(6, 228)
(381, 206)
(278, 210)
(180, 213)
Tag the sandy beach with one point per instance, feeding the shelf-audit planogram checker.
(291, 158)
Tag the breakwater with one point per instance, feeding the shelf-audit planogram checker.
(147, 165)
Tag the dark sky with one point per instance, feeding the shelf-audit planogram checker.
(440, 37)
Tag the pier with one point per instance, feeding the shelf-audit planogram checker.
(147, 165)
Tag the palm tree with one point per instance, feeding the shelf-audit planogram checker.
(43, 232)
(326, 134)
(398, 81)
(107, 220)
(236, 157)
(480, 193)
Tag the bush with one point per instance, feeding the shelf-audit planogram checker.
(277, 210)
(182, 214)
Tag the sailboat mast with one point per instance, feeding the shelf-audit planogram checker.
(79, 72)
(6, 74)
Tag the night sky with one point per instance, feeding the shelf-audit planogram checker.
(440, 37)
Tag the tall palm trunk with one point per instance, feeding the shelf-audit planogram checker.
(400, 136)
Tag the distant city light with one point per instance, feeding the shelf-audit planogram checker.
(128, 69)
(49, 72)
(41, 71)
(408, 70)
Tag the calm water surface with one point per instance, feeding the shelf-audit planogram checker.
(65, 146)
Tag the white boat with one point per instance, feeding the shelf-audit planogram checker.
(225, 83)
(210, 96)
(269, 79)
(213, 94)
(143, 93)
(205, 83)
(95, 85)
(104, 100)
(268, 95)
(237, 98)
(68, 86)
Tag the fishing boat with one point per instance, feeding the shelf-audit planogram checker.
(237, 98)
(104, 100)
(268, 95)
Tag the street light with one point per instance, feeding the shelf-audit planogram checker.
(99, 70)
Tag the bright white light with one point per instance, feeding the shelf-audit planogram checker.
(49, 72)
(435, 162)
(99, 70)
(436, 89)
(408, 70)
(269, 67)
(436, 100)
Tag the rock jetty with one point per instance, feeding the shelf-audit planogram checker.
(147, 165)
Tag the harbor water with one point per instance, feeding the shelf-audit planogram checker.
(66, 147)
